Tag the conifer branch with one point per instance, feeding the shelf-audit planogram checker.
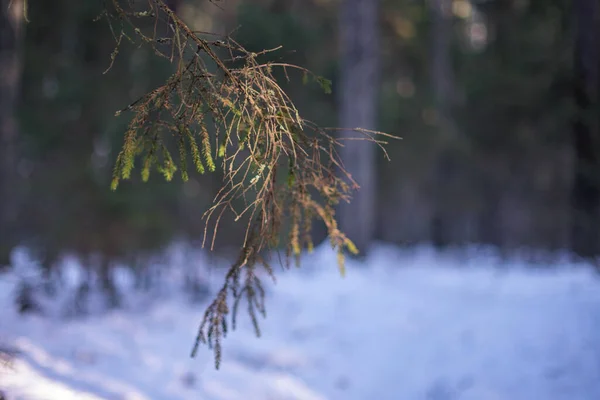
(277, 166)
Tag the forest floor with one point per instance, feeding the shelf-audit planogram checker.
(401, 325)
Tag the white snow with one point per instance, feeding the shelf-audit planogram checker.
(406, 325)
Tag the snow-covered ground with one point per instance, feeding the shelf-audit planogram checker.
(407, 325)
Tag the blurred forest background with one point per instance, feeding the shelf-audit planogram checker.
(496, 102)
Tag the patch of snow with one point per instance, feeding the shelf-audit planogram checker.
(401, 325)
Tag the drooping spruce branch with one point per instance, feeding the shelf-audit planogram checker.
(229, 112)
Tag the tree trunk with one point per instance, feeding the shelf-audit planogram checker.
(442, 75)
(585, 223)
(10, 74)
(492, 161)
(442, 79)
(359, 45)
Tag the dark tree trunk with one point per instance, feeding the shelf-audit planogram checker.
(441, 57)
(10, 74)
(492, 164)
(359, 44)
(585, 223)
(489, 218)
(442, 80)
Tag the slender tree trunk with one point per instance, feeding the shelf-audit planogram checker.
(493, 161)
(359, 44)
(585, 223)
(10, 74)
(491, 199)
(442, 75)
(442, 79)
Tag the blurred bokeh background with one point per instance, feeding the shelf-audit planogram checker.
(497, 105)
(482, 93)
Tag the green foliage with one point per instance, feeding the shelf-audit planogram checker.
(259, 29)
(519, 89)
(325, 84)
(69, 139)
